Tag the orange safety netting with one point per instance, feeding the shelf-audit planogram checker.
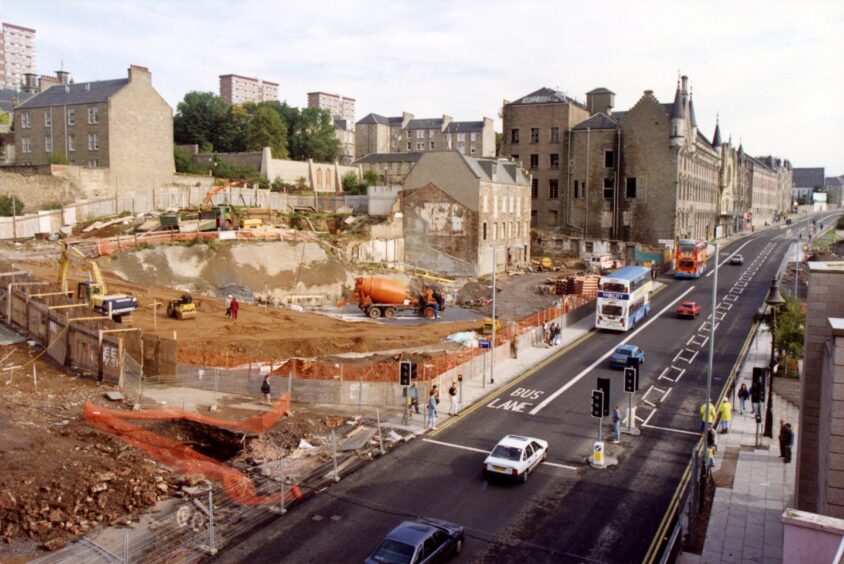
(186, 460)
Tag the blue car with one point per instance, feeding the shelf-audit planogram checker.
(623, 352)
(420, 541)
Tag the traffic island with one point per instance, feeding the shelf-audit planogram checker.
(607, 462)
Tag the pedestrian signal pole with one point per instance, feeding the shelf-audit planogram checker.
(631, 385)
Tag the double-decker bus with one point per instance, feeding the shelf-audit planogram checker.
(624, 298)
(691, 258)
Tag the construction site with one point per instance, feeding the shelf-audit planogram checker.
(138, 347)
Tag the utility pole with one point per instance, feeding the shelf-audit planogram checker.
(492, 346)
(711, 348)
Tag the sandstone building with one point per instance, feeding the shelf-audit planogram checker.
(456, 209)
(236, 89)
(121, 124)
(379, 134)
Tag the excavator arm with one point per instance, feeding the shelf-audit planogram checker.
(69, 255)
(207, 201)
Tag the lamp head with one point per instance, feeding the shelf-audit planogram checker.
(774, 298)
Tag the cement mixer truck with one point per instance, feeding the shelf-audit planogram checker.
(385, 297)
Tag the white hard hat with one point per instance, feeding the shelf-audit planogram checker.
(230, 296)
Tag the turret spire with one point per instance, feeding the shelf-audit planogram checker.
(716, 138)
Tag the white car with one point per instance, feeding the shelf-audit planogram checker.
(516, 457)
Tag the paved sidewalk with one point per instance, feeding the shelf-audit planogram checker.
(745, 524)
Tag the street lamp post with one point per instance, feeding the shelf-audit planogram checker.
(492, 346)
(774, 300)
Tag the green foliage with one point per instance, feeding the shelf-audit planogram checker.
(184, 163)
(5, 119)
(352, 185)
(200, 118)
(311, 134)
(267, 129)
(263, 182)
(278, 185)
(370, 178)
(840, 223)
(10, 204)
(790, 329)
(57, 159)
(52, 206)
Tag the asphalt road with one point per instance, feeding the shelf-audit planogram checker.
(567, 511)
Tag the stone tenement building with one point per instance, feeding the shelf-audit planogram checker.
(121, 124)
(378, 134)
(456, 209)
(646, 175)
(236, 89)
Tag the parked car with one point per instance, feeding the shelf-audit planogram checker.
(619, 357)
(736, 259)
(688, 309)
(421, 541)
(516, 457)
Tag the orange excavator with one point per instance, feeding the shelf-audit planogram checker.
(224, 215)
(385, 297)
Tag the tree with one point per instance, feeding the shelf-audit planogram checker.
(10, 205)
(370, 178)
(57, 158)
(200, 118)
(790, 329)
(351, 184)
(267, 129)
(186, 164)
(311, 134)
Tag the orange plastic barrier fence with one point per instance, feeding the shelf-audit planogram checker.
(237, 486)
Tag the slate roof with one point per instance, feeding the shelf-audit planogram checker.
(374, 118)
(677, 109)
(389, 158)
(598, 121)
(692, 113)
(506, 171)
(808, 177)
(600, 90)
(73, 94)
(716, 139)
(9, 98)
(834, 181)
(465, 127)
(546, 96)
(427, 123)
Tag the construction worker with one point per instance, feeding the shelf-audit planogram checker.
(726, 412)
(707, 415)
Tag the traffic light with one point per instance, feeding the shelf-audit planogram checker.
(631, 374)
(407, 372)
(604, 386)
(597, 403)
(631, 379)
(757, 393)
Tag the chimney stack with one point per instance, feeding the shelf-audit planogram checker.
(63, 76)
(30, 84)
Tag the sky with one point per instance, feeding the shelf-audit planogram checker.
(772, 70)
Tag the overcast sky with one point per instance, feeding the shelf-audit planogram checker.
(772, 69)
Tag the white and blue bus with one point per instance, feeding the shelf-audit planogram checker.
(624, 298)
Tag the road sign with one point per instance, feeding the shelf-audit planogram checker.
(484, 344)
(597, 403)
(604, 386)
(598, 453)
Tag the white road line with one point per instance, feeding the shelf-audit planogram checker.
(666, 395)
(711, 272)
(482, 451)
(649, 418)
(606, 355)
(668, 429)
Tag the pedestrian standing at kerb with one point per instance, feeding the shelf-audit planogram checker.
(616, 423)
(726, 415)
(707, 415)
(452, 399)
(432, 411)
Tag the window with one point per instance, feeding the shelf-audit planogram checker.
(93, 115)
(534, 188)
(578, 193)
(48, 118)
(484, 234)
(420, 133)
(609, 159)
(552, 217)
(553, 188)
(71, 116)
(432, 132)
(472, 150)
(533, 216)
(590, 246)
(26, 145)
(534, 135)
(461, 137)
(555, 135)
(71, 142)
(514, 136)
(473, 136)
(48, 144)
(26, 120)
(420, 146)
(555, 161)
(432, 145)
(534, 161)
(93, 163)
(408, 145)
(515, 157)
(608, 188)
(93, 142)
(631, 188)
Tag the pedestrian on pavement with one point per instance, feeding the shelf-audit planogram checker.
(743, 394)
(432, 411)
(788, 442)
(413, 396)
(228, 306)
(726, 415)
(754, 401)
(557, 334)
(616, 423)
(265, 389)
(781, 438)
(711, 445)
(452, 399)
(707, 415)
(235, 306)
(435, 391)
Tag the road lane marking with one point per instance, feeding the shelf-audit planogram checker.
(711, 272)
(669, 429)
(605, 356)
(482, 451)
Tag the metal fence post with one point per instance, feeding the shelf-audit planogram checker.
(334, 454)
(380, 437)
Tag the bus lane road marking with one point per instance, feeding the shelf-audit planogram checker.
(606, 355)
(517, 404)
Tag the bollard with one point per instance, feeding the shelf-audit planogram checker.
(380, 437)
(334, 455)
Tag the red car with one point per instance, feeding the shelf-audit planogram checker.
(688, 309)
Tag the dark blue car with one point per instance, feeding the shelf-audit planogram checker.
(623, 352)
(420, 541)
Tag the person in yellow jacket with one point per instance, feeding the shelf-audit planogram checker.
(726, 415)
(703, 415)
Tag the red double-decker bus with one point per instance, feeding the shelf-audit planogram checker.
(690, 258)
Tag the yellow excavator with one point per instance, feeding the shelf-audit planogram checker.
(94, 291)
